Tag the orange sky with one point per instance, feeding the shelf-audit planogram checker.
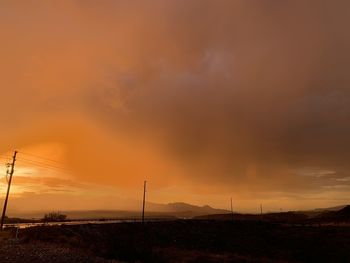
(205, 99)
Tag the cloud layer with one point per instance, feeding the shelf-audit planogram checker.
(220, 96)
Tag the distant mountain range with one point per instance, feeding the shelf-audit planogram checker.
(153, 210)
(335, 208)
(183, 209)
(180, 210)
(327, 215)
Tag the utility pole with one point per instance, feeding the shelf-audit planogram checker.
(261, 212)
(144, 201)
(8, 173)
(231, 208)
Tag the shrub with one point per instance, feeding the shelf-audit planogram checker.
(54, 217)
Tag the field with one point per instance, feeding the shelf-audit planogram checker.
(179, 241)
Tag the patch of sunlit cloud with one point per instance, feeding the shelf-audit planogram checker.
(344, 179)
(337, 186)
(314, 172)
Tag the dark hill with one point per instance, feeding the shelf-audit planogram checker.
(345, 211)
(285, 217)
(341, 215)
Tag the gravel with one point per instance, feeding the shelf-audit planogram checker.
(40, 252)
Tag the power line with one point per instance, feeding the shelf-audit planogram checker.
(51, 170)
(67, 172)
(48, 166)
(37, 162)
(42, 163)
(41, 157)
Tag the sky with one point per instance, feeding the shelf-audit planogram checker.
(204, 99)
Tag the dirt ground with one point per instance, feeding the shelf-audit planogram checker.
(179, 241)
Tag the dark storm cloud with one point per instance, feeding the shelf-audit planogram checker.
(230, 91)
(266, 85)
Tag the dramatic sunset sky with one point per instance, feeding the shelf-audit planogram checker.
(205, 99)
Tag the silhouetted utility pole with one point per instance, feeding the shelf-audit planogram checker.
(231, 208)
(144, 201)
(261, 212)
(8, 173)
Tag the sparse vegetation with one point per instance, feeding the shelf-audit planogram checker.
(54, 217)
(201, 240)
(272, 237)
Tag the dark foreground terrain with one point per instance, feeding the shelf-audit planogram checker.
(179, 241)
